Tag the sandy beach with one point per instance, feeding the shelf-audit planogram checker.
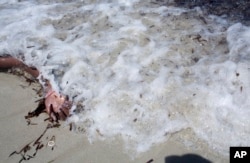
(17, 98)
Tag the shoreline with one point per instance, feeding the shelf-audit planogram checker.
(74, 147)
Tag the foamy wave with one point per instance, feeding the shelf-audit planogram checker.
(138, 70)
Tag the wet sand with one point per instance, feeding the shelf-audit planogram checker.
(17, 98)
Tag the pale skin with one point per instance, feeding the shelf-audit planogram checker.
(56, 105)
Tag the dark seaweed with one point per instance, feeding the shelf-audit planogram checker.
(40, 109)
(36, 145)
(236, 11)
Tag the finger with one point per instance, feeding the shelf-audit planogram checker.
(66, 111)
(57, 117)
(53, 116)
(62, 116)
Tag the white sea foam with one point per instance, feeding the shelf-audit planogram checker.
(138, 70)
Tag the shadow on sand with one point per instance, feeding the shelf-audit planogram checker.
(187, 158)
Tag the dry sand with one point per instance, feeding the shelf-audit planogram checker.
(17, 99)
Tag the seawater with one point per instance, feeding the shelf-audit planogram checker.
(137, 70)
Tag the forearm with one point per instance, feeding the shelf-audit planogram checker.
(9, 62)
